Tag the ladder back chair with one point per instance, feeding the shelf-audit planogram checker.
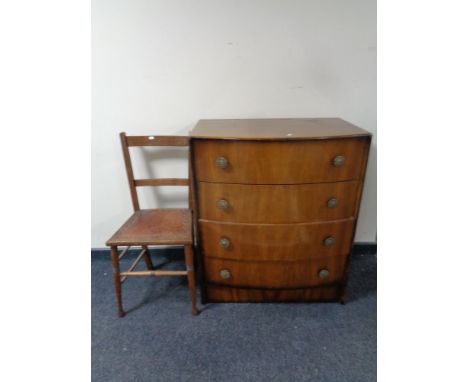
(162, 226)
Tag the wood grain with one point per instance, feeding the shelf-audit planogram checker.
(157, 140)
(277, 177)
(261, 274)
(165, 226)
(149, 140)
(276, 129)
(171, 226)
(129, 171)
(276, 242)
(279, 162)
(277, 204)
(161, 182)
(217, 293)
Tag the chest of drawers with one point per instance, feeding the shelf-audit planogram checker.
(276, 203)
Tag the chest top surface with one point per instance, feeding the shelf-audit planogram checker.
(276, 129)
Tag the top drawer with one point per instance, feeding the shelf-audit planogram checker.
(279, 162)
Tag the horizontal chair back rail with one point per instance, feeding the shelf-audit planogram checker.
(161, 182)
(153, 140)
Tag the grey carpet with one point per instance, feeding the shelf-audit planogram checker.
(159, 339)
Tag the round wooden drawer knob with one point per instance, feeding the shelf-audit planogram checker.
(224, 242)
(338, 161)
(225, 274)
(329, 241)
(323, 274)
(222, 204)
(221, 162)
(332, 203)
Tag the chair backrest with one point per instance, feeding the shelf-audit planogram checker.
(151, 140)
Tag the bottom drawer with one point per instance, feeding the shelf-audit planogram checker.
(296, 274)
(216, 293)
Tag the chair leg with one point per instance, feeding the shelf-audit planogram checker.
(147, 257)
(188, 252)
(117, 283)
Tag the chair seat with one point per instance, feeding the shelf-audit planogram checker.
(162, 226)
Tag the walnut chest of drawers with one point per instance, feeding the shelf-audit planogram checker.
(276, 203)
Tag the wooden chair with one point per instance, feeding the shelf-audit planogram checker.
(168, 226)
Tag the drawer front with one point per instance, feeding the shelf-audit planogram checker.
(298, 274)
(277, 204)
(279, 162)
(276, 242)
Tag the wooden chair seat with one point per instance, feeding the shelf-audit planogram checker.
(164, 226)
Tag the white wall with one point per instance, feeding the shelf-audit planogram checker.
(160, 66)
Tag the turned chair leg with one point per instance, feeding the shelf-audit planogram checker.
(147, 258)
(343, 294)
(188, 252)
(117, 282)
(343, 299)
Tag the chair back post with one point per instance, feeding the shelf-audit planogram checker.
(190, 180)
(129, 169)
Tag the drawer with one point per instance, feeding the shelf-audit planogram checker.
(276, 242)
(299, 203)
(296, 274)
(279, 162)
